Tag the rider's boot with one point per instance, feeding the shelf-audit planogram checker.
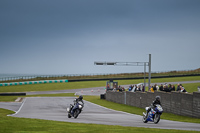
(147, 112)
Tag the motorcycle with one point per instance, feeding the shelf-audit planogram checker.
(77, 111)
(153, 115)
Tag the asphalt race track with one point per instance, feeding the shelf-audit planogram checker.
(54, 108)
(85, 91)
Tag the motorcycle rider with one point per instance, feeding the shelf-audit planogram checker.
(153, 105)
(79, 99)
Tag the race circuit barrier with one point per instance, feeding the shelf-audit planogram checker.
(34, 82)
(186, 104)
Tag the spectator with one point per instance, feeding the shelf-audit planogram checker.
(151, 90)
(108, 86)
(183, 89)
(123, 89)
(165, 88)
(120, 88)
(157, 87)
(130, 88)
(161, 88)
(115, 88)
(170, 87)
(173, 88)
(143, 88)
(178, 87)
(134, 88)
(138, 88)
(154, 88)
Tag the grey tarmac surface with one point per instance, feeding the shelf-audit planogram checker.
(14, 106)
(84, 91)
(54, 108)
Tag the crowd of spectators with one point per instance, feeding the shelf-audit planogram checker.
(140, 87)
(170, 88)
(135, 88)
(132, 88)
(163, 87)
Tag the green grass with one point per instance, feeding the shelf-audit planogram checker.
(25, 125)
(159, 80)
(51, 86)
(87, 84)
(177, 79)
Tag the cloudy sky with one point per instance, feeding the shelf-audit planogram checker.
(67, 36)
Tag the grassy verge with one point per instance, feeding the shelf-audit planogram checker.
(87, 84)
(51, 86)
(24, 125)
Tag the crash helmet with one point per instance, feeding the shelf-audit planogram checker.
(158, 98)
(80, 97)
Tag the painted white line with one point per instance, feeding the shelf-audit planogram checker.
(19, 108)
(18, 99)
(112, 109)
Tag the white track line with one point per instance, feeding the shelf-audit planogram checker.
(19, 108)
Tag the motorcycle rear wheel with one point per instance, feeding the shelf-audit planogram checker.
(156, 118)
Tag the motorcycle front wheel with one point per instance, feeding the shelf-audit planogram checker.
(144, 119)
(69, 116)
(76, 113)
(156, 118)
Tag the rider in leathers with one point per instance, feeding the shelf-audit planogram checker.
(153, 105)
(80, 99)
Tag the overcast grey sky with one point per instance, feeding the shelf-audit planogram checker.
(67, 36)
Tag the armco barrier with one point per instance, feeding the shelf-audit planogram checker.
(175, 102)
(13, 94)
(34, 82)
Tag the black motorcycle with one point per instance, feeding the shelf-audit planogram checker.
(77, 111)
